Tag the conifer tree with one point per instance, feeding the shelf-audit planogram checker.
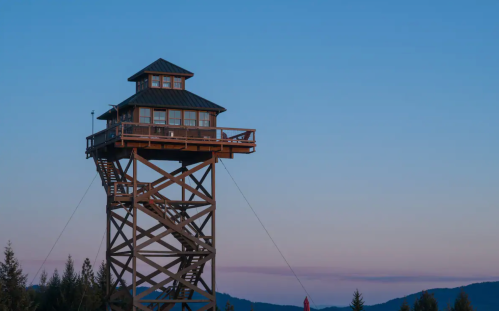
(101, 285)
(425, 302)
(462, 302)
(87, 288)
(43, 280)
(228, 306)
(39, 295)
(53, 294)
(69, 286)
(405, 306)
(14, 295)
(357, 303)
(3, 306)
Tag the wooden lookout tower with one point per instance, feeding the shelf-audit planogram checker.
(161, 223)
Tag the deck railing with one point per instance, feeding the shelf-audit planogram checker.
(172, 133)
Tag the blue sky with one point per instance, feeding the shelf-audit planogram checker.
(376, 127)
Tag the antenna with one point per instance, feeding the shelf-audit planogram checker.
(92, 113)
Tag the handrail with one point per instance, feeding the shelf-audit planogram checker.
(187, 127)
(164, 132)
(104, 130)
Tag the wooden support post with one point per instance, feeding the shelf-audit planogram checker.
(176, 245)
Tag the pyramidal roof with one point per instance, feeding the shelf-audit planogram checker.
(162, 66)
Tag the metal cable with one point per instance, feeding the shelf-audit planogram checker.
(67, 223)
(261, 223)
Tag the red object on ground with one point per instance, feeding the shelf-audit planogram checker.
(306, 305)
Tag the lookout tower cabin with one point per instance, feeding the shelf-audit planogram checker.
(164, 121)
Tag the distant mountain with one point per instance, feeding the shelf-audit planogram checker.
(483, 296)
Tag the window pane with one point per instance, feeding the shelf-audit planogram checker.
(175, 114)
(167, 85)
(159, 115)
(176, 79)
(177, 85)
(167, 79)
(174, 122)
(190, 115)
(190, 122)
(204, 116)
(145, 112)
(155, 78)
(145, 120)
(155, 83)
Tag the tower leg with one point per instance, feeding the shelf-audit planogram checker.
(158, 245)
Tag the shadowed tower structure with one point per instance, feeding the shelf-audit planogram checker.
(156, 159)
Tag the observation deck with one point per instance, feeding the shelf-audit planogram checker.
(172, 142)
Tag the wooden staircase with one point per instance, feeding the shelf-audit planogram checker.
(108, 174)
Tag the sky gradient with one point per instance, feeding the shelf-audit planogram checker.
(376, 166)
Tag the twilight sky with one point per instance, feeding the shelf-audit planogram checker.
(376, 165)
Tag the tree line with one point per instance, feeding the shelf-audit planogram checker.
(69, 291)
(425, 302)
(86, 290)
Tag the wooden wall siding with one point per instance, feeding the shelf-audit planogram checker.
(213, 119)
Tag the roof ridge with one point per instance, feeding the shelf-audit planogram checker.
(162, 65)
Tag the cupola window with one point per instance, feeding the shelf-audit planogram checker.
(155, 81)
(145, 115)
(174, 117)
(190, 118)
(167, 82)
(204, 119)
(177, 83)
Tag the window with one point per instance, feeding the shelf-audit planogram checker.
(159, 117)
(177, 83)
(145, 115)
(190, 118)
(174, 117)
(138, 86)
(204, 119)
(167, 82)
(144, 84)
(155, 81)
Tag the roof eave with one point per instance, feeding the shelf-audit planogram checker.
(137, 75)
(106, 114)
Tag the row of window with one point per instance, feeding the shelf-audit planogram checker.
(160, 82)
(191, 118)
